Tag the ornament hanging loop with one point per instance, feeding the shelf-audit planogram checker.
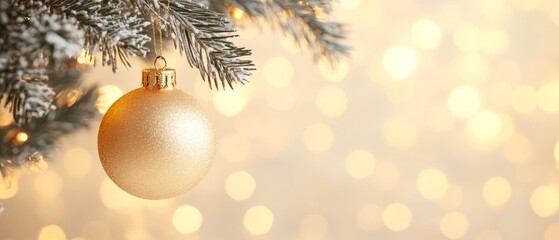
(164, 63)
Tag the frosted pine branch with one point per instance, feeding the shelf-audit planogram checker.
(300, 19)
(111, 27)
(76, 109)
(203, 37)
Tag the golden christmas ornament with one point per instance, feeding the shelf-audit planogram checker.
(156, 142)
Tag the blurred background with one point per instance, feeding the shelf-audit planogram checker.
(442, 125)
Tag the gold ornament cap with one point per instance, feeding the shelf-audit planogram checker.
(159, 78)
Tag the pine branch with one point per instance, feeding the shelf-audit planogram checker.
(300, 19)
(203, 37)
(31, 39)
(76, 109)
(111, 27)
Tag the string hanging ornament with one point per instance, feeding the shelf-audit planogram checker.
(156, 141)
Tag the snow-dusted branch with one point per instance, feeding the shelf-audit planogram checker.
(303, 20)
(203, 36)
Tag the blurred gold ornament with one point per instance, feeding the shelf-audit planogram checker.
(156, 142)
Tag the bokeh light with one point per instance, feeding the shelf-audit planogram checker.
(548, 99)
(240, 185)
(278, 72)
(187, 219)
(497, 191)
(545, 201)
(229, 103)
(107, 96)
(454, 225)
(426, 34)
(486, 125)
(399, 62)
(52, 232)
(432, 184)
(397, 217)
(464, 101)
(258, 220)
(360, 164)
(331, 101)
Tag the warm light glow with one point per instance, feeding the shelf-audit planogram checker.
(21, 138)
(432, 184)
(464, 101)
(397, 217)
(548, 99)
(334, 73)
(426, 34)
(497, 191)
(237, 14)
(523, 99)
(187, 219)
(360, 164)
(545, 201)
(318, 138)
(258, 220)
(331, 101)
(454, 225)
(486, 125)
(48, 185)
(399, 62)
(278, 71)
(240, 185)
(77, 162)
(107, 96)
(399, 132)
(85, 58)
(368, 218)
(229, 103)
(52, 232)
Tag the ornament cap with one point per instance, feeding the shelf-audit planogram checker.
(159, 78)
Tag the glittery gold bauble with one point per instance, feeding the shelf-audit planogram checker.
(156, 142)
